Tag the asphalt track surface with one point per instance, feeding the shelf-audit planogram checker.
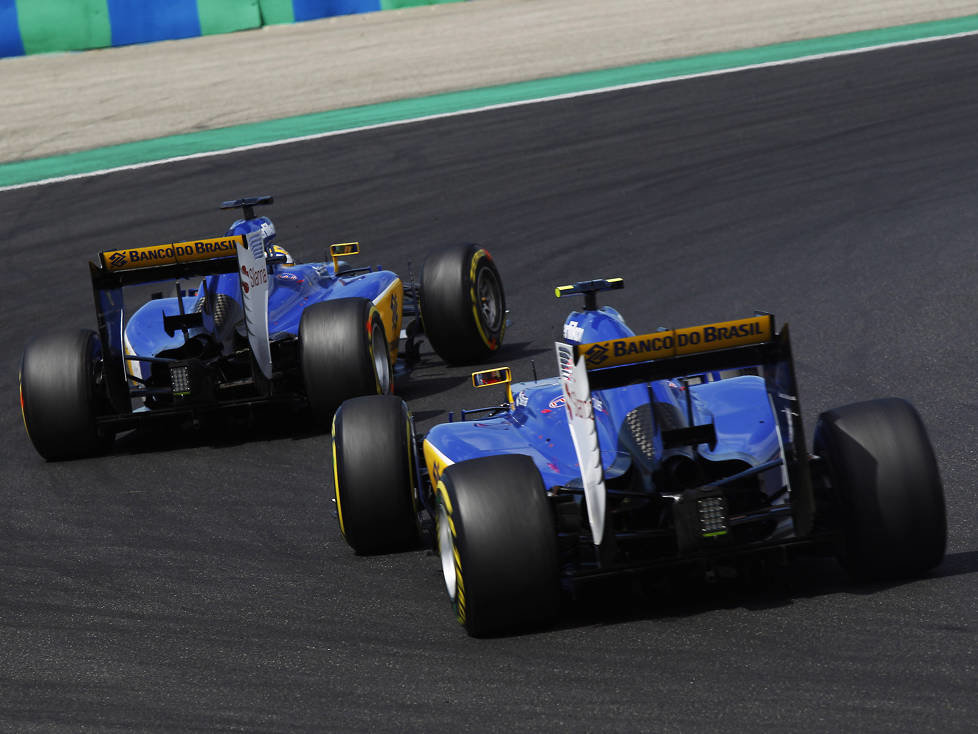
(200, 582)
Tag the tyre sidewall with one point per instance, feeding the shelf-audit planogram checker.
(887, 497)
(504, 544)
(59, 397)
(336, 353)
(373, 474)
(449, 304)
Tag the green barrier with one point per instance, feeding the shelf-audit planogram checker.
(44, 26)
(277, 12)
(228, 16)
(63, 25)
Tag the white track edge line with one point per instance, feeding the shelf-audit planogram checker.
(487, 108)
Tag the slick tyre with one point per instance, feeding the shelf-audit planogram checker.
(373, 474)
(498, 545)
(887, 497)
(463, 306)
(61, 395)
(343, 353)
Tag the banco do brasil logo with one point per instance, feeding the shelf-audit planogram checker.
(596, 354)
(118, 259)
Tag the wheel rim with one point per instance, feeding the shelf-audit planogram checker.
(488, 299)
(381, 360)
(445, 551)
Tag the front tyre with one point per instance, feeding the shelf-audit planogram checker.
(373, 474)
(343, 353)
(61, 395)
(498, 544)
(463, 306)
(887, 496)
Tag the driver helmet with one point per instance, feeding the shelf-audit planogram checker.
(277, 250)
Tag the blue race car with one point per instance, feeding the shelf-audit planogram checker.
(678, 449)
(247, 325)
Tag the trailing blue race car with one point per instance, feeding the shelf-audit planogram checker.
(247, 325)
(679, 448)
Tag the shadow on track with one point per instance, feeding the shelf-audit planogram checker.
(261, 424)
(626, 600)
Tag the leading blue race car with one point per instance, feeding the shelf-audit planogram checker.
(246, 325)
(678, 449)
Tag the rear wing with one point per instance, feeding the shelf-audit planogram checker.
(728, 345)
(173, 261)
(678, 352)
(243, 254)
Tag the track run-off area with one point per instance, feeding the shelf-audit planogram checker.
(100, 156)
(199, 582)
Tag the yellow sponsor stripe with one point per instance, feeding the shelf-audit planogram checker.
(173, 253)
(677, 342)
(436, 462)
(390, 304)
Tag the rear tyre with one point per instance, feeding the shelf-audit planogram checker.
(498, 544)
(373, 474)
(343, 353)
(463, 306)
(61, 395)
(886, 492)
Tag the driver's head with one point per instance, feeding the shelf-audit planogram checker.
(278, 250)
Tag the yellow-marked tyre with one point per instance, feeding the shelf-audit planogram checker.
(343, 353)
(498, 545)
(61, 395)
(886, 495)
(373, 474)
(463, 305)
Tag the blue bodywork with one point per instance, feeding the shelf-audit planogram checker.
(536, 422)
(291, 289)
(536, 425)
(729, 429)
(138, 344)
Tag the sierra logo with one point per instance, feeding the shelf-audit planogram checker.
(257, 276)
(251, 277)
